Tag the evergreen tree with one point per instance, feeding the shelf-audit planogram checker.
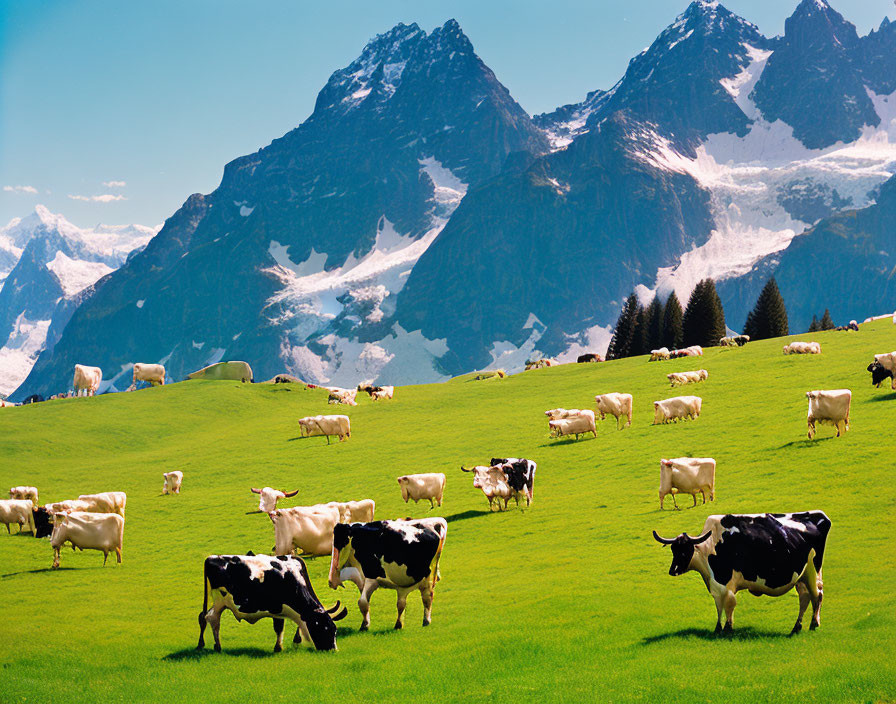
(704, 318)
(640, 335)
(769, 316)
(621, 344)
(654, 325)
(814, 326)
(672, 317)
(826, 322)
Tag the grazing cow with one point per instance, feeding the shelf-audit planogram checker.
(87, 379)
(312, 426)
(520, 475)
(491, 374)
(268, 497)
(42, 520)
(18, 512)
(688, 475)
(802, 348)
(879, 374)
(888, 362)
(171, 482)
(539, 363)
(589, 357)
(423, 486)
(68, 506)
(152, 373)
(382, 393)
(87, 531)
(682, 378)
(254, 587)
(727, 342)
(617, 405)
(659, 355)
(106, 502)
(344, 396)
(580, 424)
(24, 492)
(829, 408)
(679, 407)
(399, 555)
(558, 413)
(765, 553)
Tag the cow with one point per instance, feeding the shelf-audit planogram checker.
(580, 424)
(24, 492)
(830, 408)
(491, 374)
(312, 426)
(6, 404)
(558, 413)
(87, 379)
(727, 342)
(682, 378)
(17, 512)
(539, 363)
(254, 587)
(423, 486)
(152, 373)
(42, 520)
(493, 483)
(67, 506)
(399, 555)
(310, 528)
(802, 348)
(268, 498)
(344, 396)
(106, 502)
(354, 511)
(520, 476)
(382, 393)
(589, 357)
(659, 355)
(617, 405)
(887, 361)
(879, 374)
(679, 407)
(87, 531)
(764, 553)
(687, 475)
(171, 482)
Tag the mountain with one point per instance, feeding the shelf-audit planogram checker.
(53, 262)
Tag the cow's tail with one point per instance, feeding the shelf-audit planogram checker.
(435, 563)
(205, 588)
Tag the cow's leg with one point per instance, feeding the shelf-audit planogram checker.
(401, 602)
(202, 624)
(720, 603)
(730, 603)
(55, 555)
(803, 592)
(694, 496)
(674, 502)
(105, 557)
(816, 594)
(213, 618)
(364, 603)
(427, 594)
(278, 630)
(8, 531)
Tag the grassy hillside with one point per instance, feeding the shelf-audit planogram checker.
(570, 600)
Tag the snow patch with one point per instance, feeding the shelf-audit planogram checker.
(246, 211)
(141, 302)
(593, 339)
(20, 352)
(75, 274)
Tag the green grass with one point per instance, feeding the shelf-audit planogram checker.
(568, 601)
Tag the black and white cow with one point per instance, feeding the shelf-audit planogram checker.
(879, 373)
(399, 555)
(520, 475)
(43, 521)
(767, 553)
(254, 587)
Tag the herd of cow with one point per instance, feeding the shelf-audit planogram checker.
(763, 553)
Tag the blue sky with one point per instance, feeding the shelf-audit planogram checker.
(131, 107)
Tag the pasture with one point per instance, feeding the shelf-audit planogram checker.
(567, 601)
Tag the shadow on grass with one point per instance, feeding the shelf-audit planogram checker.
(806, 442)
(465, 515)
(885, 397)
(192, 654)
(42, 569)
(565, 441)
(738, 634)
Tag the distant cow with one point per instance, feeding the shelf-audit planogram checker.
(345, 396)
(829, 408)
(734, 341)
(399, 555)
(520, 474)
(87, 379)
(589, 357)
(68, 505)
(268, 498)
(682, 378)
(887, 361)
(617, 405)
(504, 479)
(171, 482)
(802, 348)
(253, 587)
(677, 408)
(382, 393)
(879, 374)
(17, 512)
(43, 521)
(88, 531)
(539, 363)
(106, 502)
(423, 486)
(764, 553)
(312, 426)
(687, 475)
(24, 492)
(152, 373)
(581, 424)
(310, 528)
(659, 355)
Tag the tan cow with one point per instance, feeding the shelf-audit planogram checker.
(171, 482)
(24, 492)
(17, 512)
(617, 405)
(152, 373)
(106, 502)
(687, 475)
(830, 408)
(87, 531)
(423, 486)
(87, 379)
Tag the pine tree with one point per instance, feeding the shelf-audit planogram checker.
(621, 344)
(704, 318)
(769, 316)
(814, 326)
(826, 322)
(672, 317)
(654, 325)
(640, 335)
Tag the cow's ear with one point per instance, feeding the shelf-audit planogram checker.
(251, 554)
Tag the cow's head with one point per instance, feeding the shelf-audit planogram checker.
(342, 551)
(43, 522)
(682, 550)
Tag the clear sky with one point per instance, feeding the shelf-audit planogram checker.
(132, 106)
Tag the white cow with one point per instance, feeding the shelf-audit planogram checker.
(687, 475)
(171, 482)
(617, 405)
(87, 531)
(354, 511)
(383, 393)
(829, 407)
(18, 512)
(573, 425)
(153, 373)
(493, 483)
(802, 348)
(312, 426)
(658, 355)
(308, 528)
(888, 362)
(106, 502)
(344, 396)
(24, 492)
(682, 378)
(679, 407)
(423, 486)
(67, 506)
(87, 379)
(268, 498)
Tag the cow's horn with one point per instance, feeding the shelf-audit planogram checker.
(334, 608)
(703, 537)
(664, 541)
(288, 494)
(254, 490)
(464, 469)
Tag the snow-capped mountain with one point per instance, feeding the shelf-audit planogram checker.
(50, 262)
(419, 224)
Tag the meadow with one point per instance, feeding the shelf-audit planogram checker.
(569, 600)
